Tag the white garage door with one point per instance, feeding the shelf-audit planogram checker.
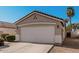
(38, 34)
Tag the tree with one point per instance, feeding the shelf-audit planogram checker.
(70, 14)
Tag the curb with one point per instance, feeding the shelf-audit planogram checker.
(50, 49)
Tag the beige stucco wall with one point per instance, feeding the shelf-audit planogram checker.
(58, 39)
(17, 37)
(63, 34)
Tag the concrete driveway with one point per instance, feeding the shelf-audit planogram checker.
(21, 47)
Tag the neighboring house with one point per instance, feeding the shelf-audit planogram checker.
(39, 27)
(7, 28)
(75, 30)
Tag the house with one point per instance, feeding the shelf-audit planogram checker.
(39, 27)
(75, 30)
(7, 28)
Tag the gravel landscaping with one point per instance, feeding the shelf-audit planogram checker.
(70, 45)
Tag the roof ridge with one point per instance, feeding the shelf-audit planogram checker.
(47, 14)
(41, 13)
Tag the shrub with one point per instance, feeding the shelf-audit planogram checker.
(10, 38)
(4, 36)
(1, 42)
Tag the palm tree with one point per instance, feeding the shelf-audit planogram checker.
(70, 14)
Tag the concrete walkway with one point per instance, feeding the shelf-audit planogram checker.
(20, 47)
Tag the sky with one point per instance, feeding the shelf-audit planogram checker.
(13, 13)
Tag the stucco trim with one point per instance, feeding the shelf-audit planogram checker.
(22, 25)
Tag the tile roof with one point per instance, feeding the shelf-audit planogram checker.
(48, 15)
(41, 13)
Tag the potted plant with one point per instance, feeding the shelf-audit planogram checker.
(1, 42)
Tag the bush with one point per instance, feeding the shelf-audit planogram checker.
(1, 42)
(4, 36)
(10, 38)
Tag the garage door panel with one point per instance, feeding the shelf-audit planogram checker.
(42, 34)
